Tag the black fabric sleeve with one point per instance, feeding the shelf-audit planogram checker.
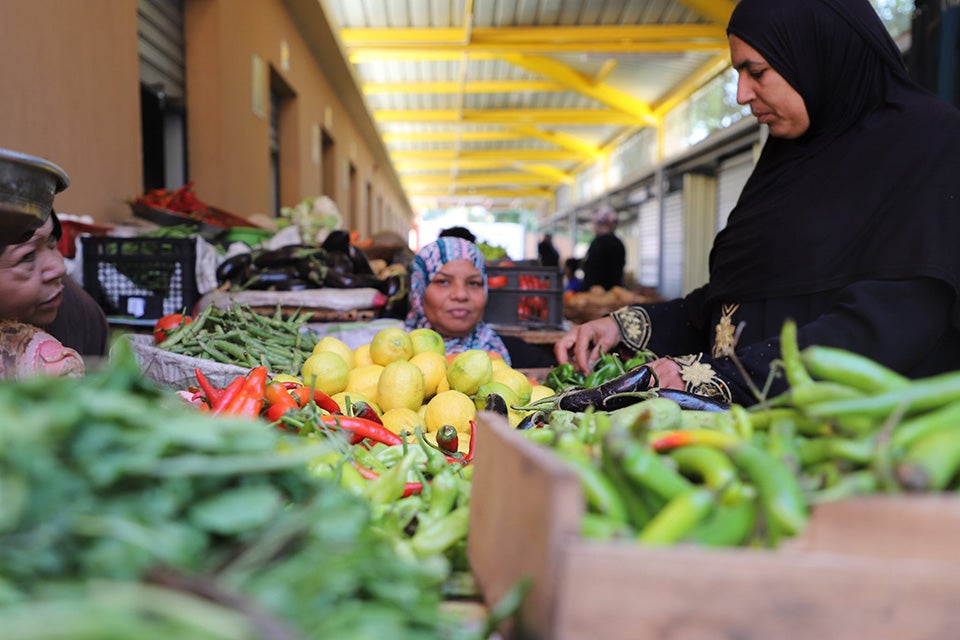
(80, 323)
(665, 328)
(524, 355)
(900, 324)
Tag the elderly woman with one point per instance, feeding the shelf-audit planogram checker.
(448, 293)
(848, 224)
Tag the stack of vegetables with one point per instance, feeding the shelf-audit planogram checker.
(126, 513)
(665, 467)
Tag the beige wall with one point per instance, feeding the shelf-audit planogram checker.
(229, 143)
(71, 95)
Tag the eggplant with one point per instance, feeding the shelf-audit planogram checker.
(339, 280)
(621, 400)
(578, 399)
(234, 268)
(495, 402)
(286, 255)
(277, 278)
(533, 420)
(693, 401)
(339, 261)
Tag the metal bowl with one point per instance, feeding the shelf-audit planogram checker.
(27, 187)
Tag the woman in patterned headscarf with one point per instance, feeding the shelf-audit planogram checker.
(448, 293)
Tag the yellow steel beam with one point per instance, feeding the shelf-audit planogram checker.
(482, 193)
(583, 117)
(506, 155)
(486, 51)
(452, 135)
(561, 139)
(547, 171)
(411, 166)
(605, 70)
(716, 11)
(717, 64)
(355, 39)
(506, 194)
(602, 93)
(488, 86)
(477, 179)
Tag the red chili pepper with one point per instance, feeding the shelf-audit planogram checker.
(473, 438)
(249, 400)
(279, 401)
(409, 489)
(211, 392)
(229, 393)
(322, 400)
(361, 428)
(672, 439)
(363, 410)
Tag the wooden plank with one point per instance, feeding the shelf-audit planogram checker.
(629, 592)
(529, 507)
(876, 567)
(921, 527)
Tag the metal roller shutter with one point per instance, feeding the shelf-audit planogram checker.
(648, 223)
(671, 258)
(160, 45)
(731, 177)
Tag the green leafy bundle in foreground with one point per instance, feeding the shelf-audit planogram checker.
(125, 513)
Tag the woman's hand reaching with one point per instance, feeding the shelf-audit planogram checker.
(582, 344)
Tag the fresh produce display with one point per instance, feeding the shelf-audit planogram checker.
(126, 514)
(671, 468)
(607, 367)
(240, 336)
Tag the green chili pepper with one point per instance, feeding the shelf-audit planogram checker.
(645, 467)
(391, 484)
(439, 535)
(780, 493)
(678, 518)
(727, 526)
(600, 493)
(595, 526)
(444, 491)
(793, 366)
(715, 469)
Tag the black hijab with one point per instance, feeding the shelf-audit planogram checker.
(870, 191)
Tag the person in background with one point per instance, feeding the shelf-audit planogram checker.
(606, 256)
(848, 224)
(35, 289)
(570, 268)
(458, 232)
(448, 293)
(549, 256)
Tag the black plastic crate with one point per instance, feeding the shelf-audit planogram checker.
(143, 278)
(528, 296)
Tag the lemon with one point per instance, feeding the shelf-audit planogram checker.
(403, 419)
(516, 381)
(400, 385)
(498, 363)
(450, 407)
(286, 377)
(433, 366)
(426, 339)
(364, 380)
(540, 391)
(337, 346)
(468, 370)
(325, 371)
(443, 385)
(355, 396)
(509, 395)
(361, 355)
(392, 343)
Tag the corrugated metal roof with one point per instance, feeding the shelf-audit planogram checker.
(508, 99)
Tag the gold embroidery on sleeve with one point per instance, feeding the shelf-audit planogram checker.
(634, 324)
(700, 378)
(725, 330)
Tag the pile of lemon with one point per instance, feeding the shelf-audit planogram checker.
(409, 380)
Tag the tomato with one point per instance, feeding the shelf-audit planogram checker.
(495, 282)
(167, 323)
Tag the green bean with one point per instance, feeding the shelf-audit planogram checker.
(216, 354)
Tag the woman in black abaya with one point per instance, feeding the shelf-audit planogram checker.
(848, 224)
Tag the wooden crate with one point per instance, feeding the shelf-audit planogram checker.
(879, 567)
